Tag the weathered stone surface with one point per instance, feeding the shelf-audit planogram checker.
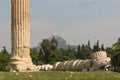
(20, 37)
(45, 67)
(99, 59)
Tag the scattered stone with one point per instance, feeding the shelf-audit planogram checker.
(99, 60)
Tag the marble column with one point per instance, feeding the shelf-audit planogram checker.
(20, 37)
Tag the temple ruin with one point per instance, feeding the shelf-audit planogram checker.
(20, 59)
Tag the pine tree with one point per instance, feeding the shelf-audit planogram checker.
(4, 59)
(78, 55)
(102, 47)
(96, 47)
(4, 50)
(89, 45)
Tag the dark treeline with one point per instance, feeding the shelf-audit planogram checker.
(49, 53)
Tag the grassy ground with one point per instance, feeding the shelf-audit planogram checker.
(60, 75)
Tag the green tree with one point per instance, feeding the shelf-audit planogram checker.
(55, 56)
(71, 53)
(4, 50)
(78, 54)
(52, 53)
(4, 59)
(34, 55)
(109, 51)
(116, 56)
(89, 45)
(46, 46)
(102, 47)
(96, 47)
(41, 57)
(54, 43)
(64, 54)
(86, 52)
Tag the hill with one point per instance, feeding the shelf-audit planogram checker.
(62, 43)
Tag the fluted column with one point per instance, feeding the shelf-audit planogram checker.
(20, 28)
(20, 36)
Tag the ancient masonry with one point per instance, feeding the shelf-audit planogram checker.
(20, 37)
(99, 59)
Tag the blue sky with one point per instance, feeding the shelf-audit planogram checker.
(77, 21)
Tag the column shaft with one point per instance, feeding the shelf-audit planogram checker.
(20, 28)
(20, 37)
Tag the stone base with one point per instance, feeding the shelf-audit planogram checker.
(21, 65)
